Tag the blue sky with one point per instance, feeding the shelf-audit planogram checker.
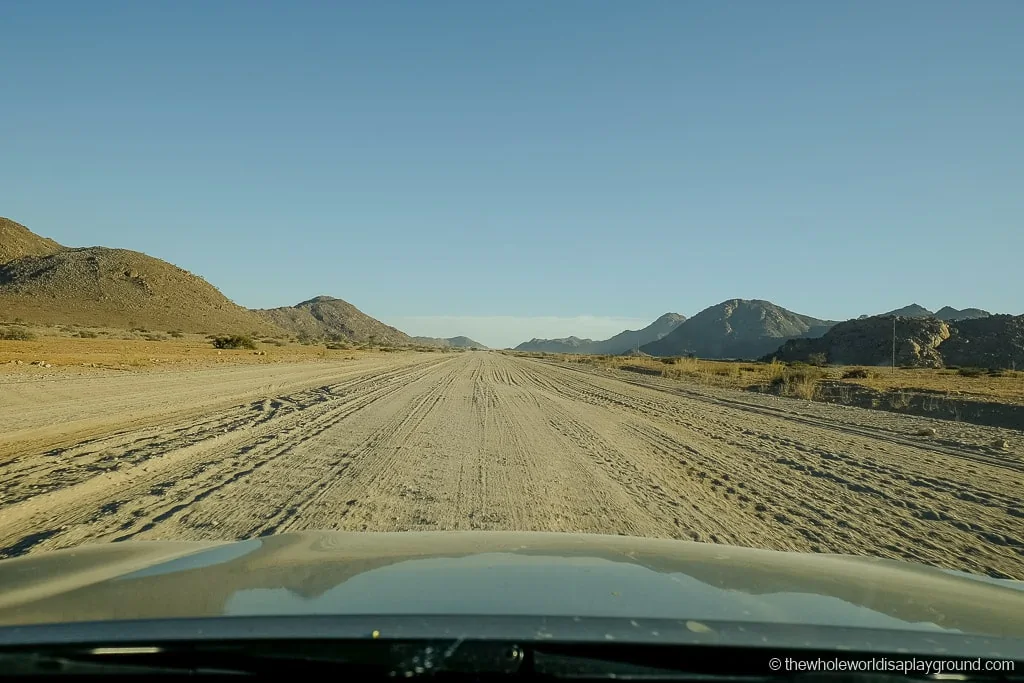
(521, 169)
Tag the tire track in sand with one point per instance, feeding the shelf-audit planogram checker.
(488, 441)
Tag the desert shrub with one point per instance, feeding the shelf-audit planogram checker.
(87, 334)
(817, 359)
(798, 383)
(234, 341)
(154, 336)
(333, 346)
(774, 370)
(16, 333)
(970, 372)
(670, 360)
(856, 373)
(141, 330)
(996, 372)
(272, 341)
(177, 334)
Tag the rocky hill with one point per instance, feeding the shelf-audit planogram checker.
(911, 311)
(46, 283)
(620, 343)
(992, 342)
(564, 345)
(17, 241)
(449, 342)
(995, 341)
(633, 339)
(737, 328)
(948, 313)
(326, 317)
(868, 341)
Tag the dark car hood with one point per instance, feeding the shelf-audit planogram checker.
(498, 573)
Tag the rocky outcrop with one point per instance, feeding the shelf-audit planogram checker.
(993, 342)
(868, 341)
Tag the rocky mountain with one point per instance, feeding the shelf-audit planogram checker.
(948, 313)
(449, 342)
(995, 341)
(868, 341)
(911, 311)
(737, 328)
(44, 282)
(326, 317)
(564, 345)
(628, 340)
(620, 343)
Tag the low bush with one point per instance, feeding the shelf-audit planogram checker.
(970, 372)
(154, 336)
(856, 373)
(817, 359)
(87, 334)
(234, 341)
(671, 360)
(798, 383)
(177, 334)
(16, 333)
(774, 370)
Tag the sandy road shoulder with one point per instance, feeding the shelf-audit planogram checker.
(48, 413)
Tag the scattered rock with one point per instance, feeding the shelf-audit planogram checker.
(926, 431)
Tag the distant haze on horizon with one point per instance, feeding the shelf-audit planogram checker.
(506, 331)
(531, 169)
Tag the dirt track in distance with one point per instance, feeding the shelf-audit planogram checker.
(489, 441)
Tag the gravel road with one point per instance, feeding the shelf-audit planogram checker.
(483, 440)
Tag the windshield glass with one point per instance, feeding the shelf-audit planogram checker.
(724, 297)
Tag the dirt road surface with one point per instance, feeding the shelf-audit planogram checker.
(483, 440)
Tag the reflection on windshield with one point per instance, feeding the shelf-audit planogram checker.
(505, 583)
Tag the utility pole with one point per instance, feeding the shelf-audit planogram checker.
(894, 345)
